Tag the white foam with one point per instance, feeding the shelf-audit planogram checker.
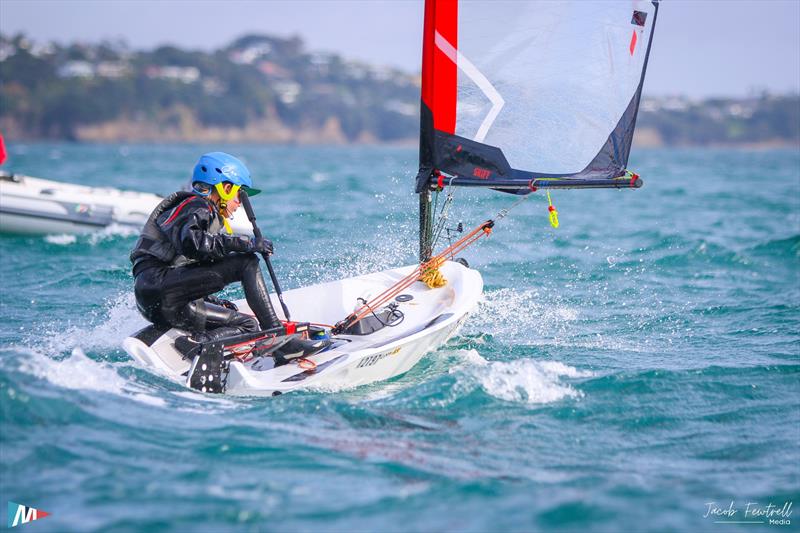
(522, 380)
(79, 372)
(61, 240)
(45, 359)
(112, 231)
(75, 372)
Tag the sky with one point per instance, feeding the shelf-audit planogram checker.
(702, 48)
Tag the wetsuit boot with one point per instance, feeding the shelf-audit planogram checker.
(189, 345)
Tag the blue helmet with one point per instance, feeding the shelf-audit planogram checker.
(215, 168)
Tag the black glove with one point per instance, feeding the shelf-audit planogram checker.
(262, 246)
(222, 302)
(237, 243)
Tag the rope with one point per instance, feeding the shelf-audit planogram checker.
(444, 215)
(433, 278)
(427, 272)
(411, 278)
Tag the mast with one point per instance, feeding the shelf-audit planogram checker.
(440, 16)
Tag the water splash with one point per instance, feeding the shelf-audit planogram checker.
(522, 380)
(117, 320)
(518, 315)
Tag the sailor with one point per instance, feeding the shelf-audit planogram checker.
(182, 258)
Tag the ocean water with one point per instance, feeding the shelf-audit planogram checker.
(631, 370)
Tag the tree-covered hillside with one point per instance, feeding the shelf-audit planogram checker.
(267, 89)
(272, 86)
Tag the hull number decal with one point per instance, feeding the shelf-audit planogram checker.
(373, 359)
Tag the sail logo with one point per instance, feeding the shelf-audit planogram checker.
(21, 514)
(481, 173)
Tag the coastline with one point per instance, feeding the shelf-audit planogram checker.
(274, 132)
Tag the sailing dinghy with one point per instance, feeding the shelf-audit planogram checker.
(516, 97)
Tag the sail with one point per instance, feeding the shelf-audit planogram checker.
(517, 94)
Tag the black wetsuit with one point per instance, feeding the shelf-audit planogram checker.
(180, 260)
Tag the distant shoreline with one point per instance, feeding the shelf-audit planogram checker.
(778, 144)
(272, 132)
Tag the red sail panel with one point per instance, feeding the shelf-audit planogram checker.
(439, 70)
(2, 150)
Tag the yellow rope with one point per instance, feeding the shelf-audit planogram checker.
(432, 276)
(553, 212)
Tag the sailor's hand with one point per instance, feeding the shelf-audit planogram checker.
(263, 246)
(227, 304)
(237, 243)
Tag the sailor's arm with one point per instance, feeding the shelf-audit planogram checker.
(196, 242)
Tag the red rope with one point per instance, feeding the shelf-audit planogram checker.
(391, 292)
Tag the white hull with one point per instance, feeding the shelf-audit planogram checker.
(35, 206)
(431, 317)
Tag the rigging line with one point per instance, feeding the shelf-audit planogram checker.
(504, 212)
(444, 214)
(391, 292)
(435, 203)
(394, 290)
(449, 252)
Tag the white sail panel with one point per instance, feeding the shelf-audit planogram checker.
(547, 82)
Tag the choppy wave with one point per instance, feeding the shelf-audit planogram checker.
(621, 370)
(789, 247)
(79, 372)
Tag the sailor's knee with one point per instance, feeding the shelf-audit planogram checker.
(249, 324)
(245, 323)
